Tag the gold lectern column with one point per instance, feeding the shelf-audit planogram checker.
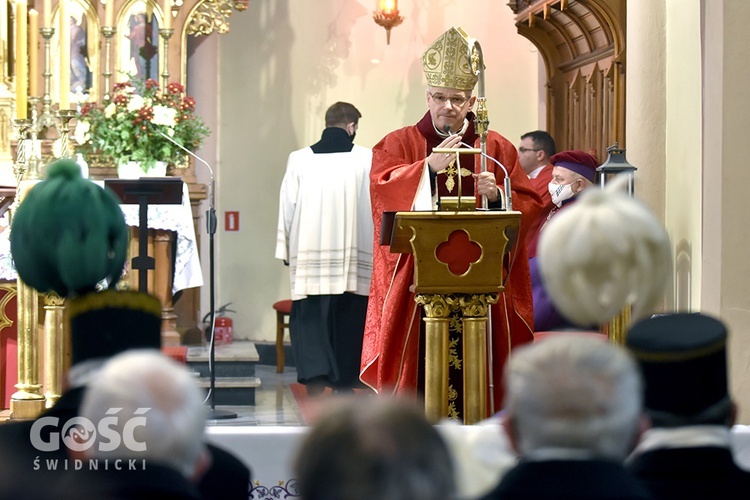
(28, 402)
(437, 310)
(474, 309)
(54, 307)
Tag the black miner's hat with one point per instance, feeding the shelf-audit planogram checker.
(106, 323)
(683, 360)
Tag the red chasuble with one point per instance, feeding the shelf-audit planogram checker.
(391, 357)
(541, 185)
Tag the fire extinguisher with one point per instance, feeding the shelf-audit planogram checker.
(223, 326)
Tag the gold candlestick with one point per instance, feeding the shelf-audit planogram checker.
(47, 119)
(107, 32)
(165, 35)
(65, 116)
(34, 148)
(21, 163)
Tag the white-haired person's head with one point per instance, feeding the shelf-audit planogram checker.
(604, 253)
(572, 396)
(161, 418)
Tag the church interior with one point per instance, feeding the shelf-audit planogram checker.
(664, 80)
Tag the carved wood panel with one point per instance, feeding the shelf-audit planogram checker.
(582, 44)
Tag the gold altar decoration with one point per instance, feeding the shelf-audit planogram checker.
(54, 347)
(444, 283)
(37, 89)
(28, 401)
(211, 15)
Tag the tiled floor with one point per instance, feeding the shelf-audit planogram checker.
(275, 404)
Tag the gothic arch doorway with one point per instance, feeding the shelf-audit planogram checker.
(582, 44)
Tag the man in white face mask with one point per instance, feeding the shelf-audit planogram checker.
(574, 171)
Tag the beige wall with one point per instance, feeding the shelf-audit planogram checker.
(688, 114)
(645, 126)
(664, 129)
(683, 150)
(726, 177)
(282, 64)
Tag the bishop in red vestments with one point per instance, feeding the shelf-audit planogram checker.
(405, 175)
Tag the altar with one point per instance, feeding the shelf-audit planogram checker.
(481, 455)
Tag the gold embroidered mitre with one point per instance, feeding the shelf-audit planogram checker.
(446, 61)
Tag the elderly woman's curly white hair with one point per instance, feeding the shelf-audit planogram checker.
(605, 252)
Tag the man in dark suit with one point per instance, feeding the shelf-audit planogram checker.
(686, 453)
(534, 153)
(67, 236)
(573, 408)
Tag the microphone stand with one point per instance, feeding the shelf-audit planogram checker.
(214, 414)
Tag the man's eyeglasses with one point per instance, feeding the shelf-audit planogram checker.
(456, 101)
(523, 150)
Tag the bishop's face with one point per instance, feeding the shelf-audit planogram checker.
(449, 107)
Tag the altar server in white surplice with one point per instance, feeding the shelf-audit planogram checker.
(325, 236)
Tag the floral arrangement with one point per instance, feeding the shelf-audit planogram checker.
(126, 128)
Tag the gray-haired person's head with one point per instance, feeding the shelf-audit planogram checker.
(161, 408)
(573, 392)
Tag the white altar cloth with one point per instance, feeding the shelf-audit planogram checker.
(481, 452)
(177, 218)
(267, 450)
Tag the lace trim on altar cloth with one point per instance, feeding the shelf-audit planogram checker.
(285, 489)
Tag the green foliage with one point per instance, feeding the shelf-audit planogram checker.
(125, 129)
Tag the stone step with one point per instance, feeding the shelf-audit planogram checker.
(237, 359)
(239, 350)
(233, 382)
(233, 391)
(234, 369)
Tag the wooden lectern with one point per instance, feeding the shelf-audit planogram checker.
(458, 264)
(144, 192)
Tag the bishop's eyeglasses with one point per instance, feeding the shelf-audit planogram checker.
(456, 101)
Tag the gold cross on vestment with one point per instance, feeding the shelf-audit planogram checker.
(450, 172)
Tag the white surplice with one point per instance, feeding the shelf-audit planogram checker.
(325, 222)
